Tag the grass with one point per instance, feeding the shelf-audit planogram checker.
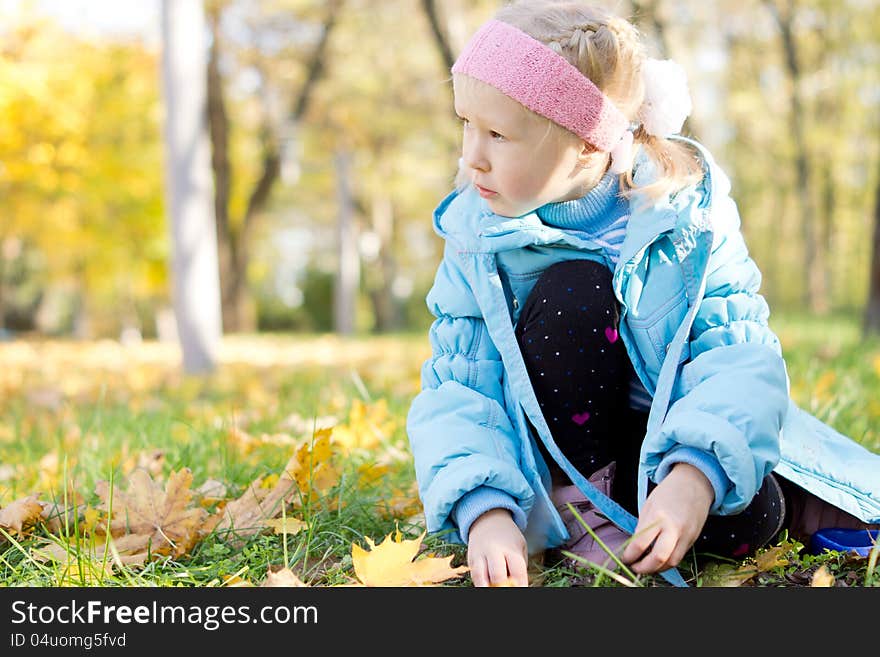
(73, 414)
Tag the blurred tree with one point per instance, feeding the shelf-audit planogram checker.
(80, 169)
(188, 176)
(815, 292)
(235, 233)
(871, 323)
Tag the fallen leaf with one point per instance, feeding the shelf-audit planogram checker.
(152, 461)
(822, 577)
(771, 558)
(367, 426)
(211, 492)
(21, 514)
(310, 465)
(248, 514)
(63, 519)
(163, 516)
(283, 577)
(391, 563)
(288, 525)
(129, 550)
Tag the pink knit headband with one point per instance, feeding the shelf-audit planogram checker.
(532, 74)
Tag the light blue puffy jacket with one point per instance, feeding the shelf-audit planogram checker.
(693, 325)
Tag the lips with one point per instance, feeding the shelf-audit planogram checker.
(484, 191)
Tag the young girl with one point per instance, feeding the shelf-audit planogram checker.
(600, 341)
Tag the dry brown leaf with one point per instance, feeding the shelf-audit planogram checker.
(391, 563)
(21, 514)
(146, 509)
(248, 514)
(822, 577)
(308, 469)
(283, 577)
(211, 492)
(60, 519)
(152, 461)
(130, 550)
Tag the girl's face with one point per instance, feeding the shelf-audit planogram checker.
(517, 160)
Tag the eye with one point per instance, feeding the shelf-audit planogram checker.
(496, 135)
(462, 120)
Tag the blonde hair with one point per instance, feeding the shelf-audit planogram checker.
(608, 50)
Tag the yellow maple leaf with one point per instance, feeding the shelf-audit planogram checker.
(21, 514)
(391, 563)
(290, 526)
(310, 465)
(822, 577)
(367, 425)
(163, 515)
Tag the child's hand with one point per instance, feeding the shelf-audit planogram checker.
(670, 521)
(497, 550)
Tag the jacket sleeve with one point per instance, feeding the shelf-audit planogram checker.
(731, 397)
(459, 431)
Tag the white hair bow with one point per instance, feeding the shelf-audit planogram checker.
(666, 105)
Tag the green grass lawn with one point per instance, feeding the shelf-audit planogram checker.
(75, 414)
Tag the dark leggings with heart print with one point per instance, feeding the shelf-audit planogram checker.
(581, 374)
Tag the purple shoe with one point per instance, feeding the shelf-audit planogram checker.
(580, 542)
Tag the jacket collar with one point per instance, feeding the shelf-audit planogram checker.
(465, 218)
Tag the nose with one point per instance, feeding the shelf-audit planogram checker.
(474, 154)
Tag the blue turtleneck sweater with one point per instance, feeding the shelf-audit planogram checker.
(602, 214)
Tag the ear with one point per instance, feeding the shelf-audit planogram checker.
(588, 155)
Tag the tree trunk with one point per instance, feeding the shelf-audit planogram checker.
(440, 38)
(218, 122)
(188, 185)
(385, 306)
(871, 324)
(826, 228)
(815, 295)
(348, 271)
(238, 307)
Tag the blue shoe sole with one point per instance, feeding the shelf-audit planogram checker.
(860, 541)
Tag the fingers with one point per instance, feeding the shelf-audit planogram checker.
(499, 570)
(479, 571)
(516, 567)
(640, 543)
(497, 564)
(659, 556)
